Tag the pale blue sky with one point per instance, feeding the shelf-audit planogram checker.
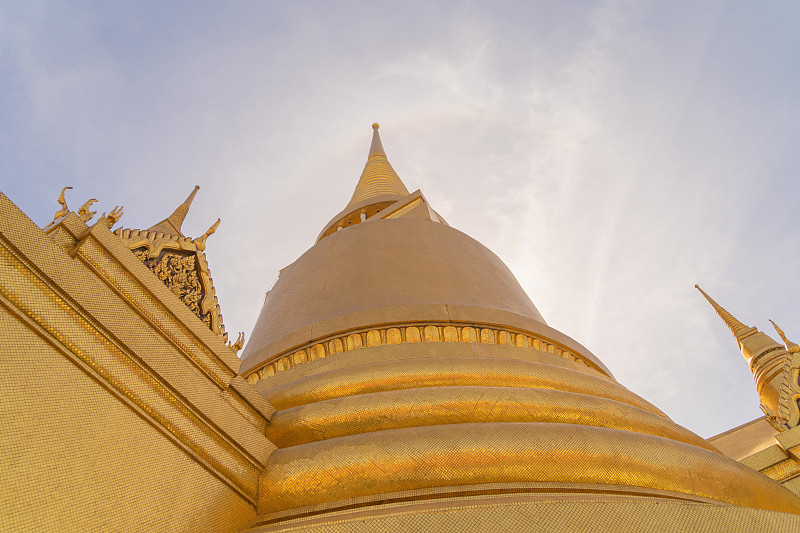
(611, 153)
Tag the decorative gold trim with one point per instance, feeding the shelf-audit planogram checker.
(409, 333)
(178, 261)
(91, 251)
(387, 501)
(783, 471)
(156, 248)
(25, 290)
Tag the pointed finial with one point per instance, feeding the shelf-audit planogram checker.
(172, 224)
(736, 327)
(376, 148)
(112, 217)
(84, 212)
(238, 345)
(200, 242)
(63, 203)
(766, 358)
(790, 346)
(378, 178)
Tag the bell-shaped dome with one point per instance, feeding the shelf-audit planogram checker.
(387, 271)
(396, 261)
(406, 364)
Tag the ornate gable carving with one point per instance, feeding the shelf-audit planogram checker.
(181, 265)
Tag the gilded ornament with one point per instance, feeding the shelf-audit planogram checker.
(200, 242)
(61, 213)
(238, 345)
(791, 347)
(84, 213)
(62, 201)
(179, 262)
(775, 368)
(179, 272)
(394, 335)
(112, 217)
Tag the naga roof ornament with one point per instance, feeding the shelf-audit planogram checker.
(178, 261)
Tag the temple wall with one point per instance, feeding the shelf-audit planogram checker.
(121, 410)
(77, 458)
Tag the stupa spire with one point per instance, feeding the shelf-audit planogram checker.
(378, 178)
(376, 148)
(768, 363)
(172, 224)
(737, 328)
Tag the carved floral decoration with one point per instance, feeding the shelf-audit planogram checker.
(181, 265)
(179, 272)
(178, 261)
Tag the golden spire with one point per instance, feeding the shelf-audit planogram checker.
(791, 347)
(172, 224)
(767, 360)
(378, 178)
(737, 328)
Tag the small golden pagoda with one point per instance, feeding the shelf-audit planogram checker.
(398, 378)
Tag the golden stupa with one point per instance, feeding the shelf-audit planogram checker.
(398, 378)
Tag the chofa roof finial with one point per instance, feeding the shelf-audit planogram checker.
(172, 224)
